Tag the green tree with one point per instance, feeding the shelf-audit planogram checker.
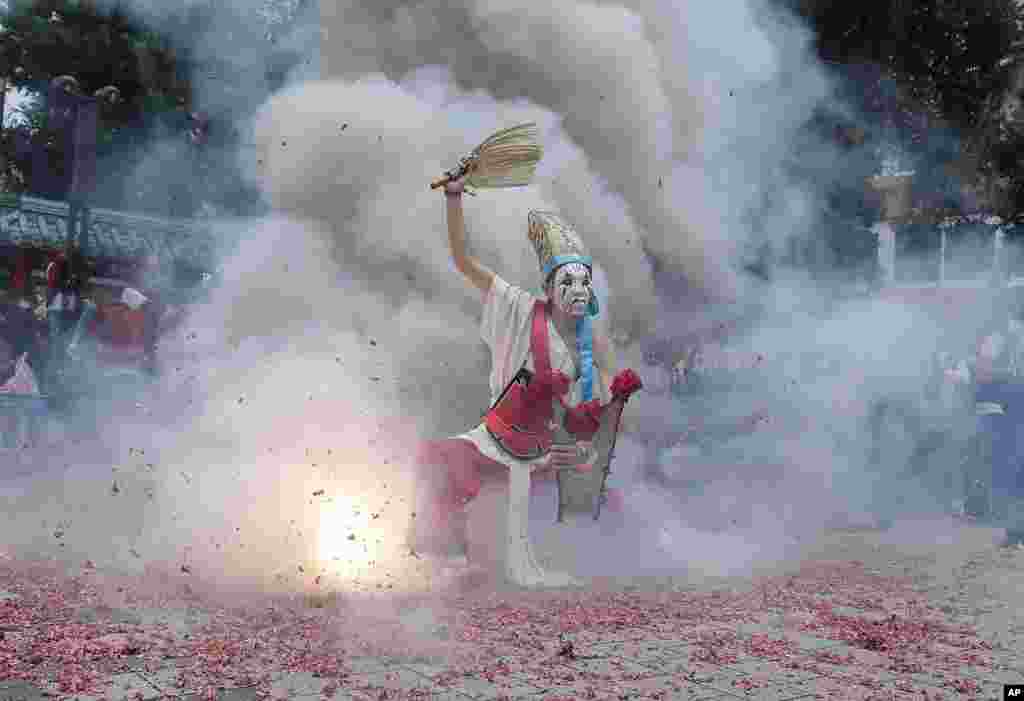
(44, 39)
(924, 74)
(942, 56)
(148, 156)
(917, 78)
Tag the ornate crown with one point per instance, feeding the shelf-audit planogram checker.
(555, 242)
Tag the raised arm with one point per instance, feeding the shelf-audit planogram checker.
(476, 272)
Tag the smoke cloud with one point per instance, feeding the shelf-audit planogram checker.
(341, 332)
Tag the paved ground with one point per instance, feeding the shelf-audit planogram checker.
(918, 612)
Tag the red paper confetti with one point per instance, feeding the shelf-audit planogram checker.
(545, 639)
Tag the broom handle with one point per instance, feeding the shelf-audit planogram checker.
(601, 495)
(466, 166)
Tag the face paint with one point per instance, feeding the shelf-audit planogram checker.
(571, 289)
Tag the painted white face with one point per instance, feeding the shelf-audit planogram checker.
(571, 289)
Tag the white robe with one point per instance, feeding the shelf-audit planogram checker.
(506, 329)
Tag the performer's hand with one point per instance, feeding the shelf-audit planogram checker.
(586, 463)
(578, 454)
(543, 472)
(455, 187)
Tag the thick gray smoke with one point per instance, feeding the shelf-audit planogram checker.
(669, 132)
(341, 330)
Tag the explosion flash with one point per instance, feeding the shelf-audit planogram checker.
(347, 542)
(359, 541)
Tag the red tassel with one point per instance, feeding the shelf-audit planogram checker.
(543, 389)
(625, 384)
(583, 420)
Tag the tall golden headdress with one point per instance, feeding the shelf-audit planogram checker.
(555, 242)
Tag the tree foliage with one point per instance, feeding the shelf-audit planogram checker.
(917, 78)
(43, 39)
(938, 59)
(157, 151)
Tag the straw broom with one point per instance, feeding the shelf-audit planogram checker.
(507, 158)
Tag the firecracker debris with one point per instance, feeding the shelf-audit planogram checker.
(830, 629)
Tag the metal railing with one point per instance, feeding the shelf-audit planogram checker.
(42, 222)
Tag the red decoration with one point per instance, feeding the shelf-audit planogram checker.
(625, 384)
(583, 420)
(545, 388)
(21, 271)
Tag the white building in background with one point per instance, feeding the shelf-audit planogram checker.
(895, 193)
(897, 206)
(886, 250)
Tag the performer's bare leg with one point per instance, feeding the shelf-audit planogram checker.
(521, 563)
(440, 529)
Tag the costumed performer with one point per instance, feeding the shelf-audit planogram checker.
(550, 383)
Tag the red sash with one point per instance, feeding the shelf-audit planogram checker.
(519, 422)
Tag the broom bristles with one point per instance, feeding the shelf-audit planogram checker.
(508, 158)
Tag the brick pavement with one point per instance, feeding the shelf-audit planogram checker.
(640, 664)
(619, 669)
